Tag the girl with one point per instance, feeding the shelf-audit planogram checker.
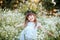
(31, 26)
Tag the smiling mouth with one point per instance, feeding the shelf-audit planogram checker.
(31, 19)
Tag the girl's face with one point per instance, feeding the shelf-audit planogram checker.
(31, 18)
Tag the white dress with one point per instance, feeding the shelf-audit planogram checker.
(30, 32)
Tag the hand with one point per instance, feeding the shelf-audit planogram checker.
(50, 34)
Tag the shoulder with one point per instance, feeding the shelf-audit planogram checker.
(38, 24)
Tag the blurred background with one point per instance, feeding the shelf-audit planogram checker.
(12, 13)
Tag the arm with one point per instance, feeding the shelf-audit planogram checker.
(39, 26)
(49, 33)
(19, 25)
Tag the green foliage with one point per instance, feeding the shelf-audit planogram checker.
(47, 0)
(48, 5)
(24, 5)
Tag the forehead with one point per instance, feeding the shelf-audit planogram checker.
(31, 15)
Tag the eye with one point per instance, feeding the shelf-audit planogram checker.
(32, 16)
(29, 16)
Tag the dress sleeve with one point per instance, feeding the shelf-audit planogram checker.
(39, 25)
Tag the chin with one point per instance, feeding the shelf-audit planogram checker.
(32, 20)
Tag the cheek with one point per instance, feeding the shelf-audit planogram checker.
(29, 18)
(33, 17)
